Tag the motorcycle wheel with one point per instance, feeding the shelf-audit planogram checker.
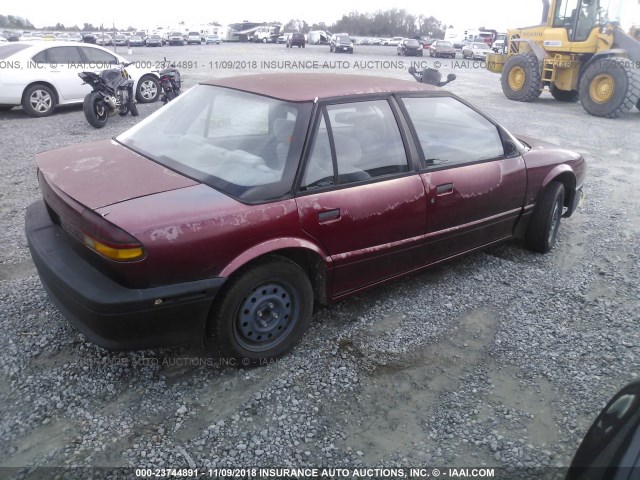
(95, 110)
(171, 95)
(133, 108)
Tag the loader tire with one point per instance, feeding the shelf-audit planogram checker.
(564, 95)
(608, 88)
(522, 78)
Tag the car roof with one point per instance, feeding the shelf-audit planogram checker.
(300, 87)
(36, 47)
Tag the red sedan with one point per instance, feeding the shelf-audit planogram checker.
(224, 216)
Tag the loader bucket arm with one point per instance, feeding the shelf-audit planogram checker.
(626, 42)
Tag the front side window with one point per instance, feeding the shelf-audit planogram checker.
(243, 144)
(63, 55)
(451, 133)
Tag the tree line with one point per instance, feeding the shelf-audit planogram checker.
(383, 23)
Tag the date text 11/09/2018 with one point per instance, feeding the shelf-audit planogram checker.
(304, 473)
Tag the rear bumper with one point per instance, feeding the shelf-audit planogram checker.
(111, 315)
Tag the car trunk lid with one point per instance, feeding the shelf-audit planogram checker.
(104, 173)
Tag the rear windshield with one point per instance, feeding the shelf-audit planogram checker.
(412, 43)
(7, 50)
(444, 44)
(246, 145)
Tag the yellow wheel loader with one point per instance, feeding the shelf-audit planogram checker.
(579, 52)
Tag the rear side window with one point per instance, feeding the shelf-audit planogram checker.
(367, 144)
(95, 55)
(451, 133)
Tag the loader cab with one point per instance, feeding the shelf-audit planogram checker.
(577, 17)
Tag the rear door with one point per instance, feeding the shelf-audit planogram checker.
(475, 192)
(63, 64)
(360, 196)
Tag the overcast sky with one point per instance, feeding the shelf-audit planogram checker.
(497, 14)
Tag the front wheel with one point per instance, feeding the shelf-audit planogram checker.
(608, 88)
(542, 230)
(133, 108)
(95, 110)
(264, 311)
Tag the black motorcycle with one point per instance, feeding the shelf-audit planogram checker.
(170, 82)
(112, 93)
(431, 76)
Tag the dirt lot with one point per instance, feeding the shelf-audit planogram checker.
(501, 359)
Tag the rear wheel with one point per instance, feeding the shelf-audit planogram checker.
(95, 110)
(39, 101)
(148, 89)
(608, 88)
(264, 312)
(542, 230)
(564, 95)
(522, 78)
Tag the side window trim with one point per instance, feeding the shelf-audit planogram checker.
(413, 163)
(332, 145)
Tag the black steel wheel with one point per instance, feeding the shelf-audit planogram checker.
(542, 230)
(263, 312)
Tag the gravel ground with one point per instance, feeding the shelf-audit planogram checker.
(502, 358)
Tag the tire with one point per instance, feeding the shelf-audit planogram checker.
(275, 288)
(264, 40)
(133, 108)
(522, 78)
(638, 105)
(430, 53)
(609, 89)
(542, 230)
(170, 96)
(148, 89)
(95, 110)
(39, 100)
(564, 95)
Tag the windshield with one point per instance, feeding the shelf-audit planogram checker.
(9, 49)
(246, 145)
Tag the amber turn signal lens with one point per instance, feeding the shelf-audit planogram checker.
(117, 254)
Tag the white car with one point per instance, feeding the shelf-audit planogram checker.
(3, 40)
(39, 76)
(393, 42)
(476, 51)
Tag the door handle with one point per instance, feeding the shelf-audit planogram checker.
(445, 189)
(324, 217)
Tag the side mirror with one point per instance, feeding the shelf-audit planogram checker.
(612, 444)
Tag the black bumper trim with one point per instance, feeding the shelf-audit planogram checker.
(111, 315)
